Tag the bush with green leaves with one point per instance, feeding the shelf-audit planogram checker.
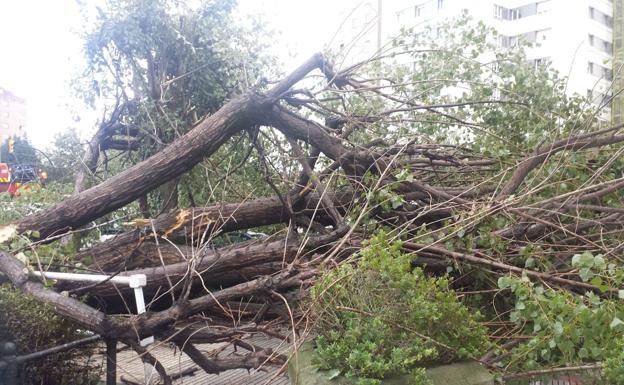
(34, 326)
(613, 366)
(564, 329)
(381, 317)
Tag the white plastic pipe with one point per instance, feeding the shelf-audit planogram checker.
(135, 281)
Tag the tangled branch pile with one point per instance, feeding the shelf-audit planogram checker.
(511, 190)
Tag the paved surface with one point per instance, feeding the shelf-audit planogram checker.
(130, 367)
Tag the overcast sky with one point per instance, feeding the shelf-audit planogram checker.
(40, 50)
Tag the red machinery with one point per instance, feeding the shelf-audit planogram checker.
(16, 177)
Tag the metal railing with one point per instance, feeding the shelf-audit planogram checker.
(9, 360)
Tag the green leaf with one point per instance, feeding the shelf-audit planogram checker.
(558, 328)
(616, 323)
(333, 373)
(586, 274)
(504, 282)
(599, 283)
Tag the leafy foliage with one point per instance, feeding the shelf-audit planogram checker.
(613, 370)
(172, 64)
(565, 328)
(31, 200)
(23, 152)
(382, 317)
(492, 102)
(64, 156)
(33, 327)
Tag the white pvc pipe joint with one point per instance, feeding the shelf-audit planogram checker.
(135, 281)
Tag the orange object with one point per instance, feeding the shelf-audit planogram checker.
(5, 173)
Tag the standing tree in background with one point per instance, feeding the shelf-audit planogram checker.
(64, 156)
(23, 152)
(166, 66)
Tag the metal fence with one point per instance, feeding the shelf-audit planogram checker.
(10, 361)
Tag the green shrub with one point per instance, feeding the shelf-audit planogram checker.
(564, 329)
(34, 327)
(613, 371)
(382, 317)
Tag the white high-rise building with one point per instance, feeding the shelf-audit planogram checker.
(575, 37)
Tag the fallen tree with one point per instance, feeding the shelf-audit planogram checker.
(483, 208)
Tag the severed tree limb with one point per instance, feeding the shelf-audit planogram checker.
(551, 371)
(542, 153)
(68, 307)
(148, 358)
(471, 259)
(180, 156)
(210, 263)
(130, 184)
(121, 250)
(251, 360)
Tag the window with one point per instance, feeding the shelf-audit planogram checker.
(502, 41)
(599, 71)
(542, 35)
(440, 4)
(544, 6)
(600, 17)
(498, 12)
(418, 11)
(502, 13)
(602, 45)
(540, 62)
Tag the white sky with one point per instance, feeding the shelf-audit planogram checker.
(41, 52)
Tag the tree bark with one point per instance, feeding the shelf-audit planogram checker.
(197, 225)
(179, 157)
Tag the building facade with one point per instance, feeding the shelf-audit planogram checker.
(13, 115)
(581, 39)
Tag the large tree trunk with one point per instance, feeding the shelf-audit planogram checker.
(239, 114)
(200, 224)
(179, 157)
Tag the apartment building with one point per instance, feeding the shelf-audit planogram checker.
(575, 37)
(13, 115)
